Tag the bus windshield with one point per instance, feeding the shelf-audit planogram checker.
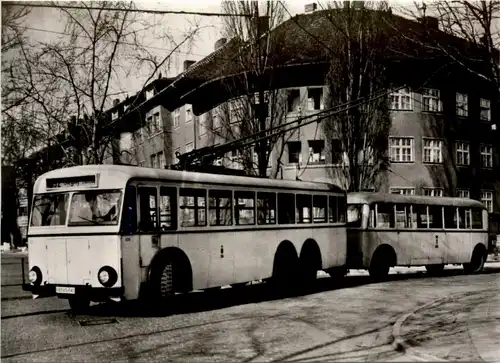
(95, 207)
(49, 210)
(354, 215)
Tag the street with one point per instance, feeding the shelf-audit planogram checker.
(352, 321)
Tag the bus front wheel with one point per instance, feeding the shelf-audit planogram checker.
(379, 267)
(79, 305)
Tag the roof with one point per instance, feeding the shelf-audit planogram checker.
(120, 174)
(293, 58)
(369, 198)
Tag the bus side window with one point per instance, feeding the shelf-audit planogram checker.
(385, 216)
(477, 218)
(148, 210)
(400, 211)
(266, 208)
(303, 208)
(435, 216)
(129, 218)
(244, 208)
(342, 208)
(450, 217)
(421, 213)
(192, 205)
(463, 218)
(286, 208)
(219, 207)
(319, 208)
(372, 221)
(168, 208)
(333, 216)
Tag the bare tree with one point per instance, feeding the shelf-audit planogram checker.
(80, 75)
(357, 51)
(261, 104)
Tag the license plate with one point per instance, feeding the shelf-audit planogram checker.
(65, 290)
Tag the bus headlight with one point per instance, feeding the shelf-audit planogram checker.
(35, 275)
(107, 276)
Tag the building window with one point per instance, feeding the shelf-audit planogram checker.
(486, 156)
(114, 115)
(401, 100)
(189, 114)
(176, 151)
(316, 151)
(150, 93)
(485, 108)
(433, 151)
(401, 149)
(463, 193)
(463, 153)
(156, 124)
(202, 124)
(431, 100)
(189, 147)
(315, 98)
(293, 100)
(433, 192)
(402, 191)
(487, 200)
(462, 104)
(177, 117)
(158, 160)
(236, 158)
(294, 152)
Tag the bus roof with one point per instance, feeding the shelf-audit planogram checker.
(117, 176)
(370, 197)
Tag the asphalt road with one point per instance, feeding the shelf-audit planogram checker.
(349, 321)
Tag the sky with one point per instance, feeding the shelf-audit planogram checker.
(43, 22)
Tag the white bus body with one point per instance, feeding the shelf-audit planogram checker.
(164, 231)
(386, 230)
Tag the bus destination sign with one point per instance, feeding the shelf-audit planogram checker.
(72, 182)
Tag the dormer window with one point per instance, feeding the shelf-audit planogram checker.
(150, 93)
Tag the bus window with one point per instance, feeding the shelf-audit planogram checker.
(385, 216)
(333, 209)
(286, 207)
(435, 216)
(266, 208)
(341, 207)
(93, 207)
(168, 208)
(219, 208)
(244, 208)
(464, 218)
(400, 211)
(477, 218)
(319, 208)
(129, 218)
(421, 214)
(354, 215)
(192, 207)
(49, 210)
(450, 217)
(303, 209)
(147, 208)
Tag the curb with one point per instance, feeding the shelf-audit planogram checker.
(400, 345)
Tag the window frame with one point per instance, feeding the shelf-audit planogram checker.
(462, 104)
(462, 148)
(432, 150)
(426, 95)
(401, 147)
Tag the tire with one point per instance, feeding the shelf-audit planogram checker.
(434, 269)
(476, 263)
(308, 274)
(166, 281)
(79, 305)
(379, 267)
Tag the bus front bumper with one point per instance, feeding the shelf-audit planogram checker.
(93, 293)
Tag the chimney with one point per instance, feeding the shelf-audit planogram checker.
(220, 43)
(430, 22)
(309, 8)
(115, 102)
(188, 63)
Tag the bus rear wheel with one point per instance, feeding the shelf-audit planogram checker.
(79, 305)
(477, 262)
(379, 267)
(434, 269)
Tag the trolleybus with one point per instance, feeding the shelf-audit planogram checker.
(101, 232)
(386, 230)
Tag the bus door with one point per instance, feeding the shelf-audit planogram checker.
(437, 244)
(149, 231)
(427, 224)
